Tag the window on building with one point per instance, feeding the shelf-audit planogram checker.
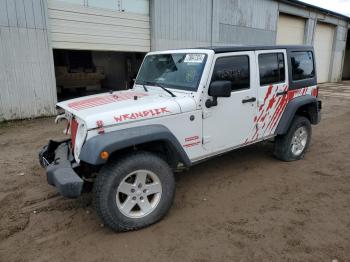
(135, 6)
(234, 69)
(128, 6)
(78, 2)
(271, 68)
(302, 65)
(105, 4)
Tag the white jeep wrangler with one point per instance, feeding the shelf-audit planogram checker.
(186, 106)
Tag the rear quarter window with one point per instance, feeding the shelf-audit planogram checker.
(271, 68)
(302, 63)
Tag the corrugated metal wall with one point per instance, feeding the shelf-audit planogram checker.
(181, 23)
(74, 26)
(27, 83)
(245, 22)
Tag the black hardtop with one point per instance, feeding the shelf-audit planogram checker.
(237, 48)
(293, 84)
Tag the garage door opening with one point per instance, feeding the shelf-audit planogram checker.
(79, 72)
(346, 66)
(323, 44)
(290, 30)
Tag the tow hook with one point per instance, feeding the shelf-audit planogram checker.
(60, 117)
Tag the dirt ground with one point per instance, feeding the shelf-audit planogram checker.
(243, 206)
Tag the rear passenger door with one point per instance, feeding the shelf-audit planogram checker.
(226, 125)
(272, 90)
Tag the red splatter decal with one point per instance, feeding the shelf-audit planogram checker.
(270, 112)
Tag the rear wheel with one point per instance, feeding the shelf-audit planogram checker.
(134, 192)
(293, 145)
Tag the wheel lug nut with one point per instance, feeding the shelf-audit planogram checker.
(145, 191)
(132, 190)
(141, 198)
(134, 198)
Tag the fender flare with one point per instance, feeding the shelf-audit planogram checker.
(291, 109)
(120, 139)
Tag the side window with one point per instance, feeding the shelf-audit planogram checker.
(271, 68)
(302, 65)
(234, 69)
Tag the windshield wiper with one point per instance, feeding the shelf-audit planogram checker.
(144, 87)
(159, 85)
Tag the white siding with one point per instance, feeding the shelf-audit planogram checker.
(79, 27)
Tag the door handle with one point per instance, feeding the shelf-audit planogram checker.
(282, 93)
(247, 100)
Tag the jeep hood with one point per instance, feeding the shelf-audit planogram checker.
(126, 106)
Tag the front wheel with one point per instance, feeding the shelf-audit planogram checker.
(134, 192)
(293, 145)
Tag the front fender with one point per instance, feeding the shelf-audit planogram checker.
(120, 139)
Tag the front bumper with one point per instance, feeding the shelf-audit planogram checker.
(57, 158)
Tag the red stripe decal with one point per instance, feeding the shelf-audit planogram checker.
(98, 101)
(192, 144)
(187, 139)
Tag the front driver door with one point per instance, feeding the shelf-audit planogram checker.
(229, 124)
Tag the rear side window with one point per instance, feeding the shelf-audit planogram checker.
(302, 65)
(234, 69)
(271, 68)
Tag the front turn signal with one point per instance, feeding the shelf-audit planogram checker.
(104, 155)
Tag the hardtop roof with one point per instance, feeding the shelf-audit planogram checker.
(237, 48)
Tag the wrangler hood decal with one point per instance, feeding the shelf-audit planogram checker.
(125, 106)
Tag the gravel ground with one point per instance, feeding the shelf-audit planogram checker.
(243, 206)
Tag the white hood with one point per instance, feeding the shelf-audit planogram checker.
(126, 106)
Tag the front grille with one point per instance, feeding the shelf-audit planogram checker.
(73, 131)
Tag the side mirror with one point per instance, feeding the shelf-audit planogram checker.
(218, 89)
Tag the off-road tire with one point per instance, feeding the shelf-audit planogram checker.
(113, 173)
(283, 143)
(41, 155)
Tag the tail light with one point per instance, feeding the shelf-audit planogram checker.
(73, 130)
(314, 92)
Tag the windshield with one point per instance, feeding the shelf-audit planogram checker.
(179, 71)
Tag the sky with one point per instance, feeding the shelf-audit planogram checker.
(339, 6)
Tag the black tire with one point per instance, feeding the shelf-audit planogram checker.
(283, 143)
(114, 172)
(43, 153)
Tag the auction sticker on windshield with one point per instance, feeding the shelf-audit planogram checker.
(194, 58)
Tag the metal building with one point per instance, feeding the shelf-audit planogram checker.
(55, 49)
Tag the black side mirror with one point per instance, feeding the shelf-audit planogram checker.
(217, 89)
